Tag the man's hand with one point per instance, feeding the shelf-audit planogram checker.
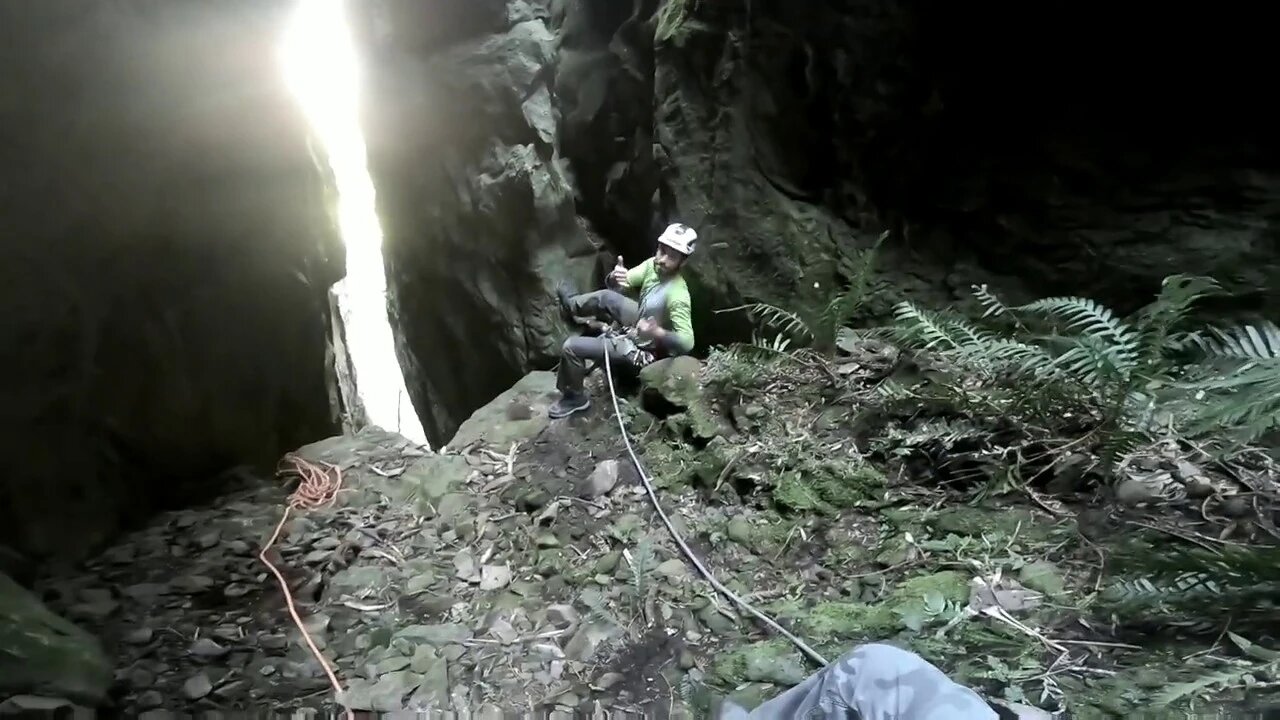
(649, 329)
(619, 274)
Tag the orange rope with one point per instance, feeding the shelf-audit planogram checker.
(318, 489)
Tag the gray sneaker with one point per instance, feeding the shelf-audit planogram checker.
(568, 405)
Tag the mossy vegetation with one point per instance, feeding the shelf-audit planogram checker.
(1023, 509)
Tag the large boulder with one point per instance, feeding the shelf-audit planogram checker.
(167, 253)
(477, 206)
(515, 416)
(43, 654)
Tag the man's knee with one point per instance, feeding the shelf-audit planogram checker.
(579, 347)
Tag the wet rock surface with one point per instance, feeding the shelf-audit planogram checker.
(435, 581)
(534, 572)
(479, 210)
(42, 653)
(167, 253)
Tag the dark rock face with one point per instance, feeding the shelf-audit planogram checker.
(1070, 156)
(476, 203)
(790, 134)
(167, 254)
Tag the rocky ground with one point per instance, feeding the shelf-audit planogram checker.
(524, 567)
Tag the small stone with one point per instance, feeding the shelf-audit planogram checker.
(197, 686)
(436, 634)
(601, 481)
(273, 642)
(139, 636)
(193, 584)
(267, 670)
(237, 547)
(607, 562)
(231, 689)
(424, 658)
(235, 590)
(121, 554)
(687, 660)
(95, 612)
(608, 680)
(316, 557)
(96, 596)
(208, 539)
(35, 705)
(740, 531)
(145, 592)
(150, 699)
(392, 664)
(494, 577)
(674, 569)
(562, 616)
(206, 648)
(533, 499)
(141, 678)
(421, 582)
(1043, 576)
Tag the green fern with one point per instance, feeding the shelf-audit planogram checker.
(784, 323)
(817, 324)
(1242, 391)
(1238, 674)
(1068, 356)
(1174, 583)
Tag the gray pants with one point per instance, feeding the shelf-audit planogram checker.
(578, 350)
(607, 306)
(872, 682)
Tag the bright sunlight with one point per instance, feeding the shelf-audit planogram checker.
(320, 66)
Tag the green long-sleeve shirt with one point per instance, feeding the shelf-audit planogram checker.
(665, 301)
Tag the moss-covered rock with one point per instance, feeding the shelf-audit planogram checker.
(773, 661)
(827, 485)
(675, 380)
(861, 622)
(43, 654)
(516, 415)
(1043, 576)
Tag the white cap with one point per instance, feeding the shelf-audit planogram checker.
(679, 237)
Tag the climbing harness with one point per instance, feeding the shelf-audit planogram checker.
(684, 547)
(318, 488)
(636, 355)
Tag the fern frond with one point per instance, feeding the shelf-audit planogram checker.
(1244, 395)
(992, 306)
(1091, 318)
(1178, 293)
(1092, 361)
(1230, 677)
(996, 354)
(777, 344)
(925, 330)
(1235, 580)
(782, 320)
(858, 270)
(1246, 402)
(1243, 342)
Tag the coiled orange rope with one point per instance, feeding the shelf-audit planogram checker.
(318, 488)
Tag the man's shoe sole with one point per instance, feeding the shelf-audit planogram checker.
(566, 413)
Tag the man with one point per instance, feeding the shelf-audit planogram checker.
(658, 325)
(880, 682)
